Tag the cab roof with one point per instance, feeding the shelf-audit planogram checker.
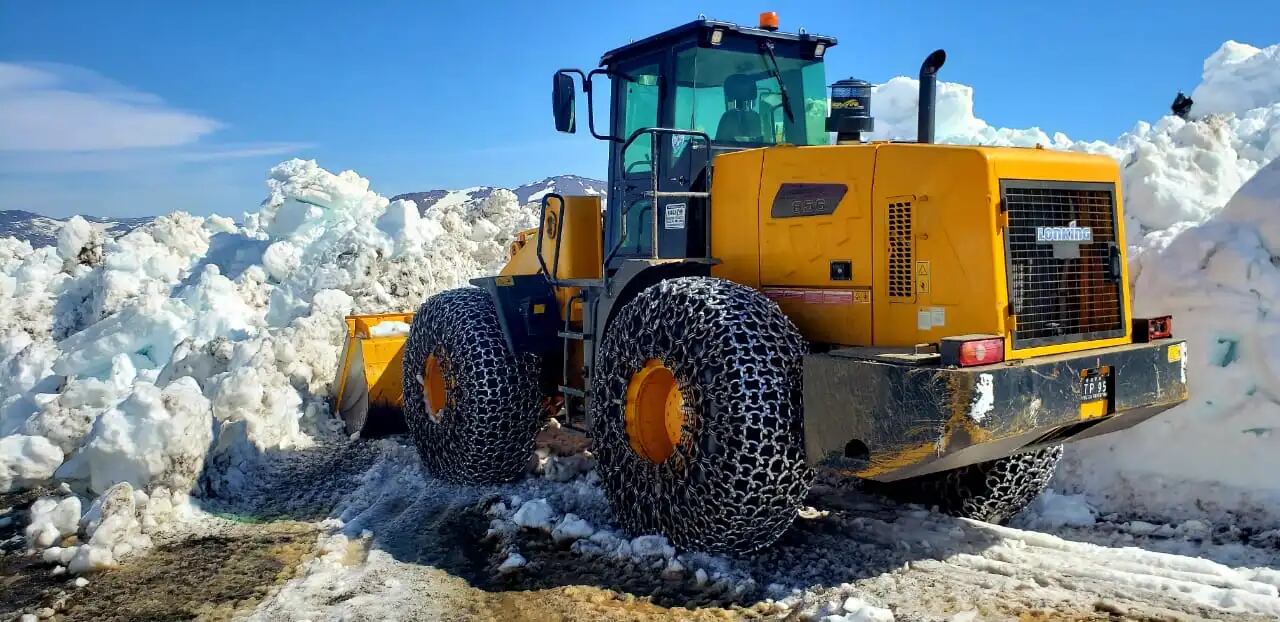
(699, 27)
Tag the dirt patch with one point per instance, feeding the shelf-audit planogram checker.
(210, 576)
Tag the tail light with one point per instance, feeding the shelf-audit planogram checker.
(971, 350)
(1150, 329)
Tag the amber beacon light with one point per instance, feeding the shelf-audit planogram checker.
(769, 21)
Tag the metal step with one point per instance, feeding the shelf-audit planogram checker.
(580, 282)
(676, 195)
(572, 391)
(573, 334)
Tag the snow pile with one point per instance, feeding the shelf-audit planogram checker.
(176, 356)
(115, 525)
(1217, 455)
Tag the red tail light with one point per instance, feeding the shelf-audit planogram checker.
(1150, 329)
(971, 350)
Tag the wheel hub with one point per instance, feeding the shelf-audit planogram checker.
(433, 387)
(654, 412)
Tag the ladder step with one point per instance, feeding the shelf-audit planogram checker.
(573, 334)
(677, 195)
(580, 282)
(572, 391)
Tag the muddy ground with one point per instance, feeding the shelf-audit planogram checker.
(412, 549)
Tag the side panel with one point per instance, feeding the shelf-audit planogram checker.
(735, 225)
(935, 230)
(815, 239)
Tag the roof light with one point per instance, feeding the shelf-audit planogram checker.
(769, 21)
(717, 36)
(970, 350)
(819, 49)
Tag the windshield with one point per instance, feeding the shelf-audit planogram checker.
(734, 96)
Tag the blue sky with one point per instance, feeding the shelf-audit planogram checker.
(130, 108)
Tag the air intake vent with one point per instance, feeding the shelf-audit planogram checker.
(901, 251)
(1064, 262)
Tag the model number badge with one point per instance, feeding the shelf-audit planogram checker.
(1069, 233)
(673, 216)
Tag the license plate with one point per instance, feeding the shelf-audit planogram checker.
(1093, 385)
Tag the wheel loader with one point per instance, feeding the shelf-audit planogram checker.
(769, 293)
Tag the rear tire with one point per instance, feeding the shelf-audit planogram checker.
(736, 474)
(992, 491)
(490, 411)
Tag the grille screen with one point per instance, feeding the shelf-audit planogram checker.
(901, 249)
(1064, 262)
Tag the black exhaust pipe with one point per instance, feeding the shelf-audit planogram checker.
(928, 95)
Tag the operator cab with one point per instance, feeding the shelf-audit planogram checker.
(678, 99)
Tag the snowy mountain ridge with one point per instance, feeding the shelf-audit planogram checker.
(40, 230)
(527, 193)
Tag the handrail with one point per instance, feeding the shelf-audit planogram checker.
(554, 273)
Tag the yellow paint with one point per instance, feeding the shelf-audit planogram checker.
(580, 244)
(1174, 353)
(1093, 409)
(735, 224)
(383, 358)
(433, 387)
(654, 412)
(956, 242)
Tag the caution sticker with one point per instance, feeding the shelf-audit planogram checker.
(674, 216)
(1175, 353)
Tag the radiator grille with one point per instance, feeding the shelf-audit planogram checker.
(1065, 291)
(901, 251)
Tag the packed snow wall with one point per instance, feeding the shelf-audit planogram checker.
(173, 357)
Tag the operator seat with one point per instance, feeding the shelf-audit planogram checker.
(740, 122)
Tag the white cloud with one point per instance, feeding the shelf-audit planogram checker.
(62, 108)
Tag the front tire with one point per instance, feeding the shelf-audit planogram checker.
(991, 491)
(734, 471)
(472, 407)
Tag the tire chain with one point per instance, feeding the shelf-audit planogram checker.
(485, 432)
(738, 473)
(991, 491)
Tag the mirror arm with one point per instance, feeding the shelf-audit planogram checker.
(591, 107)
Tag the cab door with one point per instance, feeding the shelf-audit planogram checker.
(637, 95)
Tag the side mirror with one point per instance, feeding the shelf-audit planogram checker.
(562, 103)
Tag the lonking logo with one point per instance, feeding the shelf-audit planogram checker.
(1069, 233)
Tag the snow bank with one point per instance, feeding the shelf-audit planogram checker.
(175, 357)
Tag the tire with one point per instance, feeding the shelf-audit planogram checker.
(484, 432)
(992, 491)
(737, 474)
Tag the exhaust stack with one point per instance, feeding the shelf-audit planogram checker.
(928, 95)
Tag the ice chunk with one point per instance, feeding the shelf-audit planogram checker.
(26, 460)
(535, 514)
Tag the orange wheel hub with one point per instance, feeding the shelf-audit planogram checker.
(654, 412)
(433, 387)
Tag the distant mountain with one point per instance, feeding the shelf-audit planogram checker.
(43, 231)
(528, 193)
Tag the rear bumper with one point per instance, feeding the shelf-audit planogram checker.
(884, 420)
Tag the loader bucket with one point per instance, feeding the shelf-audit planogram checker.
(370, 374)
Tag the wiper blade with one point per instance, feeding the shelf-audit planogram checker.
(767, 46)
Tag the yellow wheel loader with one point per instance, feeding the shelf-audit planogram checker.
(769, 293)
